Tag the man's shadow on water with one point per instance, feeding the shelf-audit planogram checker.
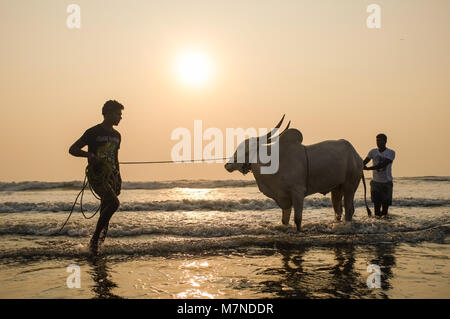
(297, 278)
(103, 285)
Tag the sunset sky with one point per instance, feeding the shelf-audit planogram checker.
(315, 61)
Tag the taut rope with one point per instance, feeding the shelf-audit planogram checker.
(181, 161)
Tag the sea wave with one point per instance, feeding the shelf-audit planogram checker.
(39, 185)
(217, 226)
(426, 178)
(163, 245)
(205, 205)
(36, 185)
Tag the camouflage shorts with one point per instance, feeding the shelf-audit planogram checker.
(106, 188)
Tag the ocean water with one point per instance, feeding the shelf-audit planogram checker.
(223, 239)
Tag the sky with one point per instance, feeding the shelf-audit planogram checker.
(315, 61)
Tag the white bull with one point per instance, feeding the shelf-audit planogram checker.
(329, 166)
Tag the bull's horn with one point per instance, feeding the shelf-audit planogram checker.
(281, 121)
(268, 135)
(286, 128)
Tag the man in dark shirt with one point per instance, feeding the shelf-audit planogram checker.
(103, 173)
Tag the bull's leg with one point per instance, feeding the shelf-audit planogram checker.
(349, 195)
(297, 201)
(286, 216)
(336, 198)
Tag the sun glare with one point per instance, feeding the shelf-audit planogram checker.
(194, 68)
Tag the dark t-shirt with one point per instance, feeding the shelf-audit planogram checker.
(104, 144)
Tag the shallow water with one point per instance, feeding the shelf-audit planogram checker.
(223, 239)
(406, 271)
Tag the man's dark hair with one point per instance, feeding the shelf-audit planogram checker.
(111, 106)
(382, 136)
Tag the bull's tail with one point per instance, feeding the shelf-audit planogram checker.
(369, 213)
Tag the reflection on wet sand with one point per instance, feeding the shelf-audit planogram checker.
(103, 285)
(345, 280)
(308, 272)
(315, 273)
(385, 258)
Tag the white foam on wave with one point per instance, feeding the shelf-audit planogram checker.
(40, 185)
(205, 205)
(57, 247)
(218, 223)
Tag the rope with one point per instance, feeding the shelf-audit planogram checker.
(73, 206)
(181, 161)
(103, 174)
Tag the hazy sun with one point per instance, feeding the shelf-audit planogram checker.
(194, 68)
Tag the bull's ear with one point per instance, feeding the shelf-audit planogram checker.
(291, 136)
